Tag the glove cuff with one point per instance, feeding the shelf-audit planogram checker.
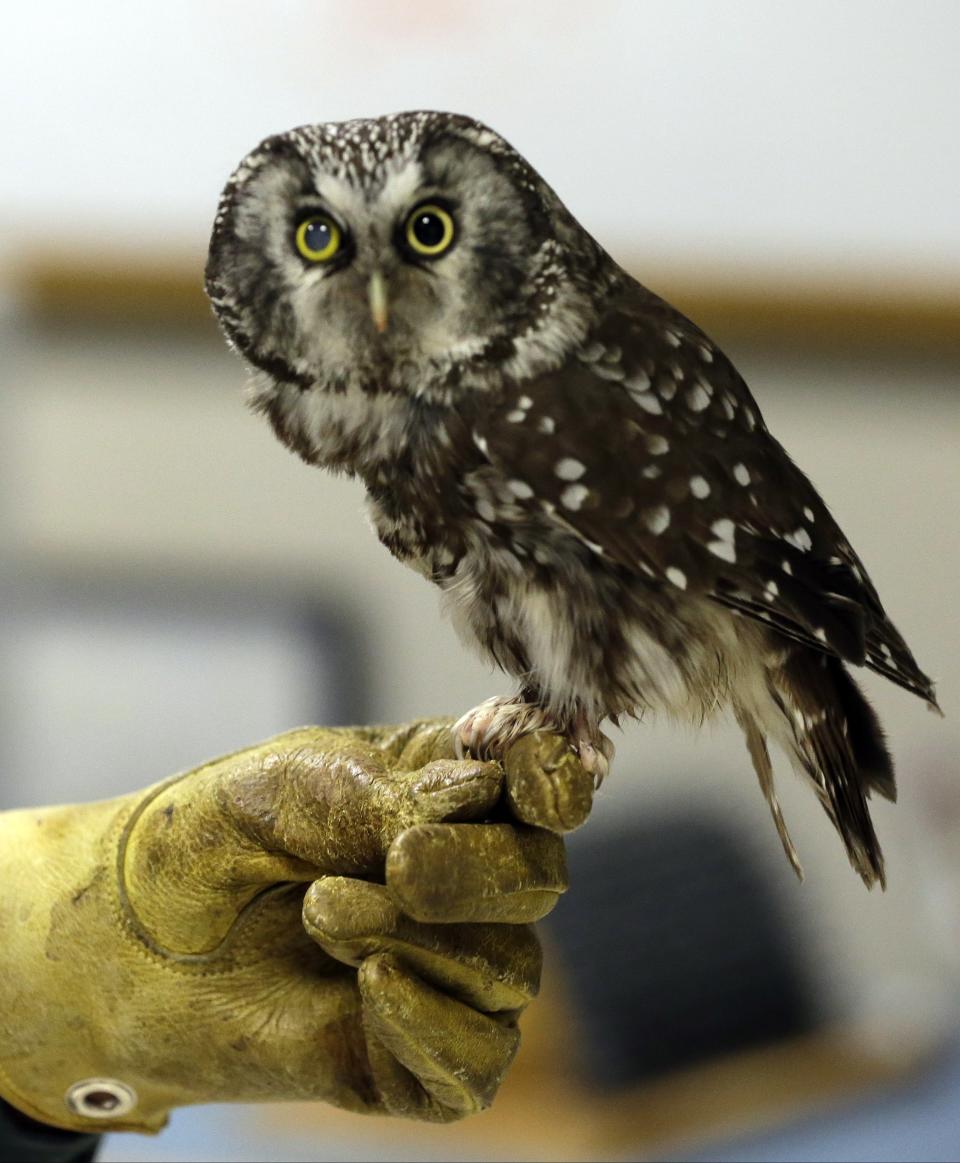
(59, 929)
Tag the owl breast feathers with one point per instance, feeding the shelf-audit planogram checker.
(577, 466)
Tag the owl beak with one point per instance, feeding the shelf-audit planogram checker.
(377, 294)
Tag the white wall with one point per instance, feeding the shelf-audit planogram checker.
(818, 132)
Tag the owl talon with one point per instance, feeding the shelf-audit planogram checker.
(595, 750)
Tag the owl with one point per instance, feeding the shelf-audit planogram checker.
(578, 467)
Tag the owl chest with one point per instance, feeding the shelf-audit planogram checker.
(529, 595)
(445, 522)
(420, 521)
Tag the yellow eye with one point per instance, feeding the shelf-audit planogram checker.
(429, 230)
(318, 238)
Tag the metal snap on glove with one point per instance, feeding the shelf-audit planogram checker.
(161, 949)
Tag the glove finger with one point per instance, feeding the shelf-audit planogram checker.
(331, 804)
(459, 1056)
(493, 968)
(448, 790)
(413, 745)
(398, 1091)
(546, 783)
(447, 873)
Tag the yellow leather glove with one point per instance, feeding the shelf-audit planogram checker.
(159, 949)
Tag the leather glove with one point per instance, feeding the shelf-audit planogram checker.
(160, 949)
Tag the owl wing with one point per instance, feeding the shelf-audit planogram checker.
(649, 447)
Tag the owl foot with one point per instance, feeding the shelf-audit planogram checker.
(488, 730)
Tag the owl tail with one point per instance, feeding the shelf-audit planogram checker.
(832, 735)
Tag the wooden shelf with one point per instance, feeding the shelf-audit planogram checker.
(119, 289)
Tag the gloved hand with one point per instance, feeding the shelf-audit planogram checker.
(156, 949)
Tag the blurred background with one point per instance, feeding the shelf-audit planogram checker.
(175, 584)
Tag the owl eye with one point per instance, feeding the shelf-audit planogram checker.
(318, 238)
(429, 230)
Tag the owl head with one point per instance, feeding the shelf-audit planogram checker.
(383, 253)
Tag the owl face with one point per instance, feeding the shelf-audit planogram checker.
(375, 253)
